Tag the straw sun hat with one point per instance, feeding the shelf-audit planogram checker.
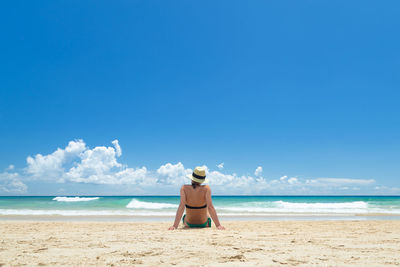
(198, 175)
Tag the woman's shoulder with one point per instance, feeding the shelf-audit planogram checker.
(206, 186)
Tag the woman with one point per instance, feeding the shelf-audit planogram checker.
(197, 200)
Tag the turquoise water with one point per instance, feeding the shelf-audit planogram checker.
(233, 206)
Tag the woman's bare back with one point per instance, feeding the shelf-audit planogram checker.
(196, 197)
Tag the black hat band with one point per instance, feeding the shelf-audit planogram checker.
(198, 176)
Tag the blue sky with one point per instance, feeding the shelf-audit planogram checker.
(307, 90)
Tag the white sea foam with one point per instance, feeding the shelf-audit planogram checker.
(90, 213)
(82, 212)
(74, 199)
(341, 205)
(136, 204)
(138, 208)
(293, 207)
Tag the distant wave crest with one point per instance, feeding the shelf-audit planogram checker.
(31, 212)
(301, 207)
(74, 199)
(341, 205)
(136, 204)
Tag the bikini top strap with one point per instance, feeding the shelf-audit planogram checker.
(190, 207)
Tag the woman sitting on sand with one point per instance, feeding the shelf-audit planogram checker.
(197, 200)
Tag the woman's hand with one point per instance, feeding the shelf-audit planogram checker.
(172, 228)
(220, 227)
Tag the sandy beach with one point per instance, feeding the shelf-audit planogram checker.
(327, 243)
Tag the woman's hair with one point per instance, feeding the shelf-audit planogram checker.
(194, 184)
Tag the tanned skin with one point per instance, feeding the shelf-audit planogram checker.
(210, 207)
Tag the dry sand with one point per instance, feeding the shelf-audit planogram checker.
(274, 243)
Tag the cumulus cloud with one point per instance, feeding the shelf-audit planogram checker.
(303, 186)
(283, 178)
(11, 183)
(173, 173)
(218, 178)
(79, 164)
(100, 166)
(117, 148)
(10, 167)
(95, 166)
(237, 184)
(258, 171)
(52, 166)
(342, 181)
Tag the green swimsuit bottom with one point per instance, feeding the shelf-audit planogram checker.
(200, 225)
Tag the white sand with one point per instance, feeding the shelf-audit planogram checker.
(289, 243)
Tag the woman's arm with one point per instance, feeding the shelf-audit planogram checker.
(211, 210)
(180, 210)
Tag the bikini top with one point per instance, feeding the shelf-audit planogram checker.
(190, 207)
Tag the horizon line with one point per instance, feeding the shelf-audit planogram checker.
(212, 195)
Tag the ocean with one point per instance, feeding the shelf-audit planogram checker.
(133, 208)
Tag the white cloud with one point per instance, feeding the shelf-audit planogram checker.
(95, 166)
(138, 176)
(173, 173)
(11, 183)
(77, 163)
(75, 147)
(100, 166)
(51, 166)
(341, 181)
(258, 171)
(387, 190)
(237, 184)
(10, 167)
(117, 148)
(171, 170)
(218, 178)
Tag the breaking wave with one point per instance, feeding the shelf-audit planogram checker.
(293, 207)
(136, 204)
(74, 199)
(81, 212)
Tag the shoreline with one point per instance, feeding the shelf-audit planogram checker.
(164, 218)
(244, 243)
